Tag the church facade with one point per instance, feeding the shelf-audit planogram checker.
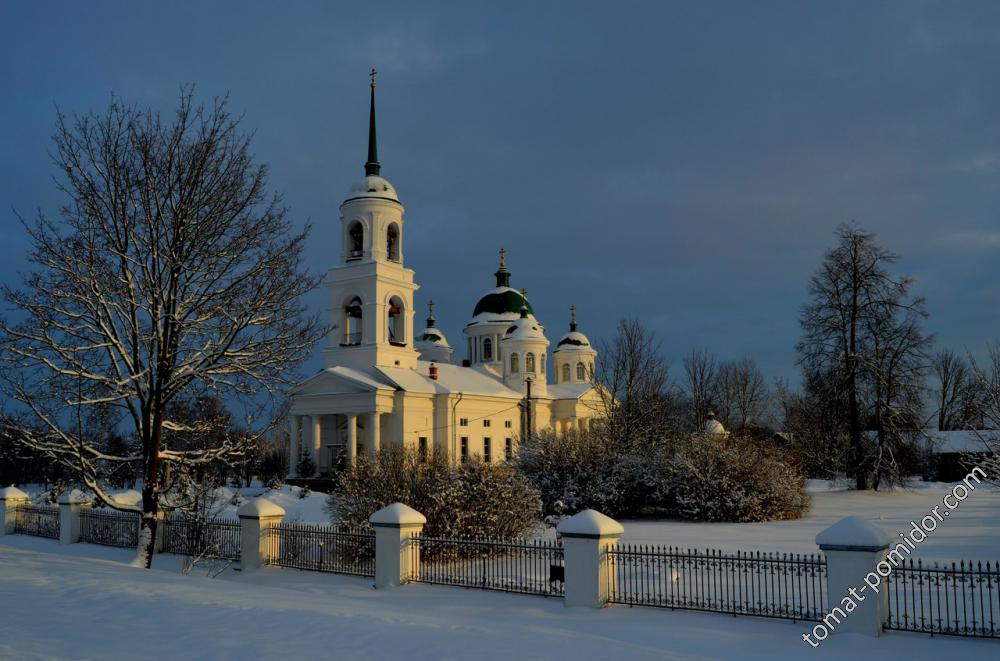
(384, 382)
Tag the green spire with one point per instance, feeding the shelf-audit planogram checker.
(372, 167)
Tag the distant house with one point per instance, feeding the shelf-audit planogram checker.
(951, 454)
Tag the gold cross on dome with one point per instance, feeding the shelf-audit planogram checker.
(572, 313)
(430, 308)
(372, 74)
(503, 258)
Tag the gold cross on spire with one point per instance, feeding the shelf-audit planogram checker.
(503, 258)
(372, 74)
(430, 309)
(524, 294)
(572, 314)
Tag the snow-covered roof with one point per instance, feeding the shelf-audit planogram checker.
(527, 329)
(451, 378)
(499, 304)
(374, 187)
(569, 390)
(573, 341)
(943, 442)
(431, 335)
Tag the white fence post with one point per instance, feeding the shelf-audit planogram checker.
(857, 596)
(10, 498)
(394, 525)
(587, 537)
(256, 516)
(70, 504)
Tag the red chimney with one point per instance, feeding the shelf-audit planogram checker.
(433, 372)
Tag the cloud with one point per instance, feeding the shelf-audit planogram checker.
(973, 240)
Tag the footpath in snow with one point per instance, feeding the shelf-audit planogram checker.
(84, 602)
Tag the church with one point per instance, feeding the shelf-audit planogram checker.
(384, 382)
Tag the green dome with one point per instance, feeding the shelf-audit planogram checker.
(502, 300)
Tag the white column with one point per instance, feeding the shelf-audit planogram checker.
(587, 536)
(855, 551)
(70, 504)
(352, 439)
(317, 440)
(256, 517)
(376, 433)
(395, 561)
(10, 498)
(293, 445)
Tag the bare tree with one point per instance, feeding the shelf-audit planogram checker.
(852, 294)
(631, 380)
(957, 395)
(701, 372)
(746, 392)
(170, 268)
(894, 370)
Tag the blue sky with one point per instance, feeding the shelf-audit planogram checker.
(683, 162)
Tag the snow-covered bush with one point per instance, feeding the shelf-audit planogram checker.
(713, 478)
(470, 500)
(697, 477)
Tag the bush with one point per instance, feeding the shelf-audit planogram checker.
(471, 500)
(712, 478)
(698, 477)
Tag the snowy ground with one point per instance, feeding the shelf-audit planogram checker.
(972, 531)
(84, 602)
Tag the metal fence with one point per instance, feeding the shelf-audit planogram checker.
(322, 548)
(961, 600)
(110, 528)
(37, 520)
(783, 585)
(523, 566)
(216, 538)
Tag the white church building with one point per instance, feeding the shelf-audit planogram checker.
(386, 383)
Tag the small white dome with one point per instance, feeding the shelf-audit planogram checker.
(713, 427)
(573, 341)
(526, 328)
(375, 187)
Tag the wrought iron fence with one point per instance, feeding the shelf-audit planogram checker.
(961, 600)
(322, 548)
(109, 528)
(523, 566)
(37, 520)
(783, 585)
(215, 538)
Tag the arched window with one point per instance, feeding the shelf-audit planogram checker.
(487, 349)
(529, 362)
(541, 363)
(397, 329)
(565, 372)
(581, 372)
(352, 322)
(515, 365)
(355, 241)
(392, 242)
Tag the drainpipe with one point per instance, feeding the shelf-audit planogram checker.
(454, 425)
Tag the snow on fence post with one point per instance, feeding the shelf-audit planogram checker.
(70, 504)
(856, 593)
(587, 537)
(394, 525)
(10, 498)
(256, 517)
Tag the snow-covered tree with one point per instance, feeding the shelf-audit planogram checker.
(170, 269)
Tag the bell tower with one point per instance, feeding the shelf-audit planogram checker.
(371, 291)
